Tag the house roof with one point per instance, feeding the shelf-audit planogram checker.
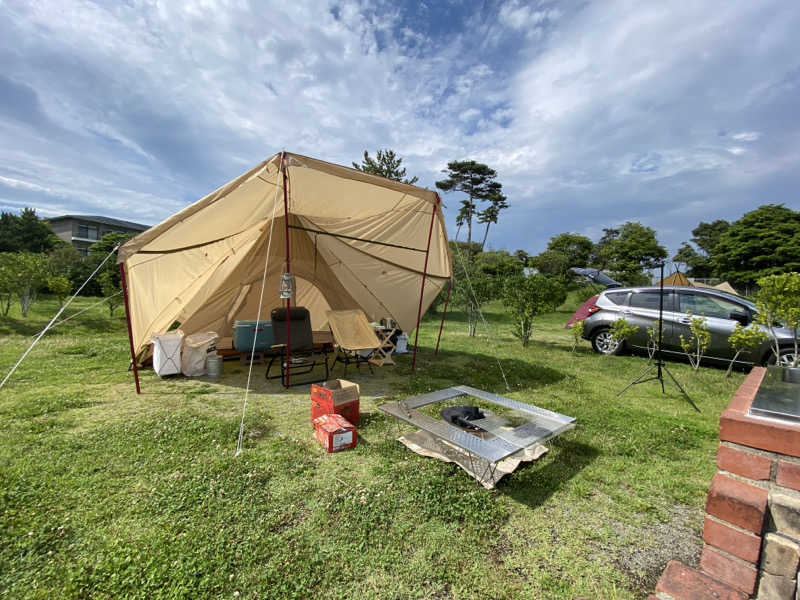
(103, 220)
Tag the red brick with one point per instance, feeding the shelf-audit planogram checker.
(736, 574)
(739, 428)
(742, 545)
(788, 474)
(743, 397)
(746, 464)
(684, 583)
(739, 503)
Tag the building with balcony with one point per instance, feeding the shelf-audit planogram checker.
(84, 230)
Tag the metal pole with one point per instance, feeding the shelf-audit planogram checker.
(444, 314)
(289, 271)
(130, 329)
(422, 288)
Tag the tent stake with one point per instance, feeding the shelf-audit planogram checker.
(444, 314)
(130, 329)
(422, 289)
(287, 383)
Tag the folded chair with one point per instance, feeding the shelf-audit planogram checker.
(303, 357)
(353, 337)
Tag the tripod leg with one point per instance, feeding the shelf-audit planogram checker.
(675, 381)
(635, 381)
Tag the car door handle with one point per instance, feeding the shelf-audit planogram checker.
(685, 321)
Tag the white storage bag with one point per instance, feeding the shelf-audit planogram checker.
(167, 353)
(195, 349)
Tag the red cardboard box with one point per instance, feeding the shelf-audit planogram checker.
(337, 397)
(335, 433)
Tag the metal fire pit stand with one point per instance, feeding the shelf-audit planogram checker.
(542, 425)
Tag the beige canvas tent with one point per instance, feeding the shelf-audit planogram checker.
(677, 279)
(726, 287)
(351, 240)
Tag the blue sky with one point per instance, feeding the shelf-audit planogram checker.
(593, 113)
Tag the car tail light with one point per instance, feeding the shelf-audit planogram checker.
(593, 309)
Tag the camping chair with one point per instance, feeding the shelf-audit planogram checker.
(303, 357)
(353, 336)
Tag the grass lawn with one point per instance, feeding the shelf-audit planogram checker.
(106, 494)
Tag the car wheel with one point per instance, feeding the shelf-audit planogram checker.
(604, 343)
(786, 358)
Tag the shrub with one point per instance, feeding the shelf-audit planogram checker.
(527, 297)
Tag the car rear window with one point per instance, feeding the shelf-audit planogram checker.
(617, 297)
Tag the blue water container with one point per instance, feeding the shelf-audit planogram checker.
(245, 331)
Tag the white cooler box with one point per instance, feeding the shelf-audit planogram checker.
(167, 353)
(196, 348)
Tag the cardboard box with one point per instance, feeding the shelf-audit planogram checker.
(335, 433)
(337, 397)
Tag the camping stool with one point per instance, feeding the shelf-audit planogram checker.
(258, 358)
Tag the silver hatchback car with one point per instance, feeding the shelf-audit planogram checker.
(639, 306)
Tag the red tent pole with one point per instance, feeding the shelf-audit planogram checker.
(130, 329)
(444, 313)
(288, 270)
(422, 289)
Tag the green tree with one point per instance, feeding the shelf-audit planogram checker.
(498, 264)
(60, 287)
(627, 251)
(527, 297)
(745, 339)
(622, 331)
(479, 278)
(67, 262)
(705, 236)
(386, 164)
(7, 281)
(577, 333)
(474, 179)
(600, 257)
(778, 303)
(110, 289)
(473, 288)
(552, 263)
(30, 277)
(696, 264)
(522, 257)
(489, 215)
(763, 242)
(26, 233)
(697, 343)
(100, 249)
(577, 248)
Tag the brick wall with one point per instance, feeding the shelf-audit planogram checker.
(752, 528)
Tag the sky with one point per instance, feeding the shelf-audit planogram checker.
(592, 113)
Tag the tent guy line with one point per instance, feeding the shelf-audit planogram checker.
(258, 319)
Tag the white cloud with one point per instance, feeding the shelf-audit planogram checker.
(746, 136)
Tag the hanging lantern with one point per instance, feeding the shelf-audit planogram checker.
(287, 286)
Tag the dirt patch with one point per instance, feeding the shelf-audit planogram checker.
(649, 547)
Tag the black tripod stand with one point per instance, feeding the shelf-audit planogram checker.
(659, 365)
